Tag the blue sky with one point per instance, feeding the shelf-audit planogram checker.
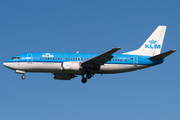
(89, 27)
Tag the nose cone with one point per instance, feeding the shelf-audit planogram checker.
(5, 64)
(8, 65)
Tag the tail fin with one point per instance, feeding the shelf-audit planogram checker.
(153, 44)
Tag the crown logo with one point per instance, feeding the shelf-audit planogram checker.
(152, 41)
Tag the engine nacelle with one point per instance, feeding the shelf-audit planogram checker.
(63, 76)
(71, 66)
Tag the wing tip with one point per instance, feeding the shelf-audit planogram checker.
(174, 50)
(117, 48)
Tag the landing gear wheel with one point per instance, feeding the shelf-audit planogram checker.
(23, 77)
(84, 80)
(88, 76)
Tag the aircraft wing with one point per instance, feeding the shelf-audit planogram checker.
(100, 59)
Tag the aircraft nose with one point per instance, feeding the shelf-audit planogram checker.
(6, 65)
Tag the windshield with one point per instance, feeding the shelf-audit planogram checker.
(15, 57)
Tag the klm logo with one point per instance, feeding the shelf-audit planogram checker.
(47, 55)
(152, 45)
(66, 65)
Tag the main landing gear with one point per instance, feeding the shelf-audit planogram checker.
(88, 76)
(84, 80)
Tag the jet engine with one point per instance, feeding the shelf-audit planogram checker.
(63, 76)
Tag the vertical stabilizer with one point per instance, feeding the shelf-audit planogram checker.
(153, 44)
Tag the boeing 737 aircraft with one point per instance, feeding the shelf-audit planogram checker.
(65, 66)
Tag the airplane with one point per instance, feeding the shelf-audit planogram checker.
(65, 66)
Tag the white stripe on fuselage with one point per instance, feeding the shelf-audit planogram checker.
(56, 67)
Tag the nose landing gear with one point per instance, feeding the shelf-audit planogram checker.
(23, 76)
(21, 72)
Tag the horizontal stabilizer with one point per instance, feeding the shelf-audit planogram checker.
(163, 55)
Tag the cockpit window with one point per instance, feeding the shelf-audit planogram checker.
(15, 57)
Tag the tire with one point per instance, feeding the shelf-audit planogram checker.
(88, 76)
(84, 80)
(23, 77)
